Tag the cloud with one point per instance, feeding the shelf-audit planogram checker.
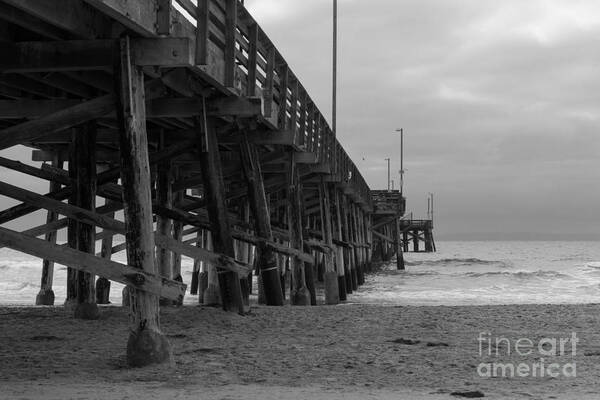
(498, 101)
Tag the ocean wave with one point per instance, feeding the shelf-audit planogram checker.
(521, 274)
(460, 262)
(594, 264)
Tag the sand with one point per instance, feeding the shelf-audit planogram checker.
(349, 351)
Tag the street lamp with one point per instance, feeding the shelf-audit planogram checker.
(388, 181)
(401, 159)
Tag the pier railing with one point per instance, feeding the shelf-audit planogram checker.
(235, 53)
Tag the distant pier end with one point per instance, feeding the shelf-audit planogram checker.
(394, 230)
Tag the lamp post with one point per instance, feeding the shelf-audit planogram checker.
(388, 179)
(334, 90)
(401, 159)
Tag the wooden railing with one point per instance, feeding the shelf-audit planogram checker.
(234, 51)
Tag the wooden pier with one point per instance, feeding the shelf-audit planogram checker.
(182, 128)
(393, 229)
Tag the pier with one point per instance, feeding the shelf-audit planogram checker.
(182, 128)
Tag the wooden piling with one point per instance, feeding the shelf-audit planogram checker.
(46, 294)
(85, 187)
(146, 344)
(299, 295)
(332, 295)
(210, 160)
(266, 259)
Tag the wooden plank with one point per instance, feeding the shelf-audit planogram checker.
(163, 17)
(163, 52)
(230, 35)
(65, 55)
(56, 122)
(202, 33)
(114, 271)
(252, 60)
(73, 16)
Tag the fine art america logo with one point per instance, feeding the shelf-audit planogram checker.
(544, 352)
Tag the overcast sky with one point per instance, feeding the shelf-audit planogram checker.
(499, 101)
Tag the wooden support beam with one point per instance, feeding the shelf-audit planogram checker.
(76, 259)
(84, 143)
(146, 344)
(266, 259)
(300, 294)
(57, 121)
(164, 225)
(64, 55)
(338, 233)
(210, 159)
(331, 277)
(46, 294)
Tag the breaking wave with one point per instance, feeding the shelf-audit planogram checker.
(460, 262)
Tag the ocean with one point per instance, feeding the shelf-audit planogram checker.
(490, 272)
(459, 273)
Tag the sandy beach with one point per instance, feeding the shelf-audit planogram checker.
(346, 352)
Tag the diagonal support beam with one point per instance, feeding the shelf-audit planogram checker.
(89, 263)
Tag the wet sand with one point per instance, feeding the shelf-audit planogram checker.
(340, 352)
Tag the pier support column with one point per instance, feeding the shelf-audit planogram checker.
(346, 234)
(357, 273)
(164, 225)
(103, 284)
(84, 158)
(212, 175)
(266, 258)
(416, 241)
(146, 344)
(428, 240)
(339, 256)
(405, 241)
(332, 295)
(45, 297)
(398, 242)
(299, 295)
(212, 295)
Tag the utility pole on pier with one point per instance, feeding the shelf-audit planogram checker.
(388, 179)
(401, 130)
(334, 94)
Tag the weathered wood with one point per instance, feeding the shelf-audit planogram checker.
(266, 261)
(210, 159)
(339, 254)
(56, 122)
(65, 55)
(46, 294)
(146, 344)
(163, 17)
(230, 33)
(252, 60)
(398, 246)
(299, 294)
(164, 225)
(332, 295)
(83, 144)
(114, 271)
(202, 17)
